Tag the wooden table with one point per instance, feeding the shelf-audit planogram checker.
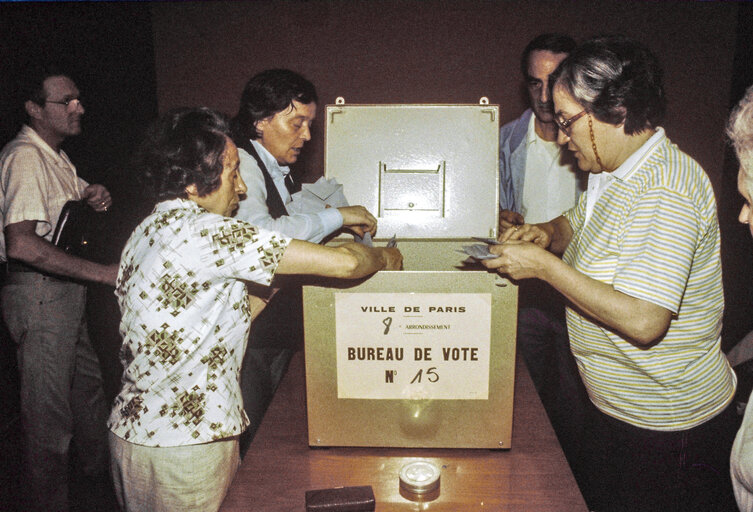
(279, 466)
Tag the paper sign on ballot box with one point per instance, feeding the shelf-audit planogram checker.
(413, 345)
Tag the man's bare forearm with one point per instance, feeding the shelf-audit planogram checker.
(33, 250)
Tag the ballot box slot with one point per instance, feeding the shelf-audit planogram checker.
(417, 192)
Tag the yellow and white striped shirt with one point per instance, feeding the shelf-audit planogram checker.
(653, 234)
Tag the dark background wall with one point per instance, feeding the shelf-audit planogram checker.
(135, 59)
(442, 51)
(398, 51)
(109, 50)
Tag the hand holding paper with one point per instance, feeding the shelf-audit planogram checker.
(358, 219)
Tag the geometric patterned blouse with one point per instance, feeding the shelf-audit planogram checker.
(185, 319)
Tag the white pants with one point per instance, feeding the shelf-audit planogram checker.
(172, 478)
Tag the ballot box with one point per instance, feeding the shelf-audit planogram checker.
(422, 357)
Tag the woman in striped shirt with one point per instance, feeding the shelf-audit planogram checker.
(642, 273)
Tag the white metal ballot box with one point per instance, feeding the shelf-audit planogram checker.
(423, 357)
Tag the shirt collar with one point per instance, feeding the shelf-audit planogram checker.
(32, 136)
(177, 203)
(531, 136)
(275, 170)
(635, 160)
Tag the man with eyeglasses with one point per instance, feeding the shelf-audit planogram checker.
(43, 299)
(538, 181)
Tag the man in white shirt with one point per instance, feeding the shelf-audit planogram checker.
(43, 295)
(538, 179)
(274, 120)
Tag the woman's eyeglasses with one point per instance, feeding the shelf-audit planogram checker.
(564, 124)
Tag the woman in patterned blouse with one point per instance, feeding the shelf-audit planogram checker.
(186, 314)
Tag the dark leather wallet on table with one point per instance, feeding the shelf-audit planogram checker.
(341, 499)
(73, 230)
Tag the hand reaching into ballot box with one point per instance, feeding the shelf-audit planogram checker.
(348, 261)
(392, 257)
(389, 258)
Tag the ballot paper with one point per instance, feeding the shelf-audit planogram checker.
(490, 241)
(368, 242)
(314, 197)
(478, 251)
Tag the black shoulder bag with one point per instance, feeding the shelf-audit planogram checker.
(73, 230)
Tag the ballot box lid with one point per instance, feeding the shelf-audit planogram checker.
(424, 170)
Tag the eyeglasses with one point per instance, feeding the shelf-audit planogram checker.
(564, 125)
(67, 103)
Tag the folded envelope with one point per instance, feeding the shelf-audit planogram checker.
(315, 197)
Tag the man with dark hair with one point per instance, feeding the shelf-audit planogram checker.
(537, 181)
(277, 109)
(43, 298)
(186, 314)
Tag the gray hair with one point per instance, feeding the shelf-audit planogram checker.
(617, 80)
(740, 132)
